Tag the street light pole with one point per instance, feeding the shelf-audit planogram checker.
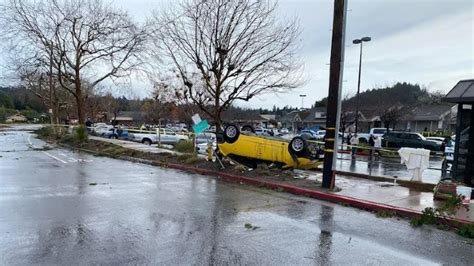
(302, 97)
(359, 41)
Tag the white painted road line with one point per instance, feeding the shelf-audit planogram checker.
(69, 158)
(54, 157)
(30, 143)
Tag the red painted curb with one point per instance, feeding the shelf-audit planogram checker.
(354, 202)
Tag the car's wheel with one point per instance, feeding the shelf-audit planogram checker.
(248, 128)
(297, 146)
(146, 142)
(231, 133)
(114, 137)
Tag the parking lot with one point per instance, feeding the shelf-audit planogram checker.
(387, 167)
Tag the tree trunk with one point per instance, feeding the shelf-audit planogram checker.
(79, 101)
(80, 110)
(217, 114)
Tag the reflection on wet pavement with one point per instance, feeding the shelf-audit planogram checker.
(389, 167)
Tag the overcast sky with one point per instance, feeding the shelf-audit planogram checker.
(429, 42)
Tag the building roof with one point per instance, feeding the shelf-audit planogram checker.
(294, 116)
(432, 112)
(463, 92)
(311, 115)
(269, 117)
(128, 116)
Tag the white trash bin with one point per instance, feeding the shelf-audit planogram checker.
(465, 192)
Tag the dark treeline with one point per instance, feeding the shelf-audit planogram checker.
(399, 93)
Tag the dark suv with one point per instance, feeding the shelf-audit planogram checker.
(408, 139)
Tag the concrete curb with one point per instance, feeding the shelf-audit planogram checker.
(327, 196)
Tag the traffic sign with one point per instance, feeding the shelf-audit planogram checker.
(200, 127)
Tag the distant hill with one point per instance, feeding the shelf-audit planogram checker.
(400, 93)
(20, 99)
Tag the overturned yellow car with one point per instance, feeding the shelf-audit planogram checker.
(249, 149)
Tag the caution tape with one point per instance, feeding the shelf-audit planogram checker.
(137, 130)
(368, 148)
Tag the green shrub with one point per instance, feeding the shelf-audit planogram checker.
(80, 134)
(428, 216)
(185, 157)
(466, 230)
(185, 146)
(192, 160)
(44, 132)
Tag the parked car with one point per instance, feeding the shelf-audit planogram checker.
(250, 149)
(261, 131)
(205, 137)
(178, 129)
(318, 135)
(309, 134)
(407, 139)
(100, 129)
(438, 140)
(284, 131)
(376, 131)
(202, 148)
(117, 133)
(164, 135)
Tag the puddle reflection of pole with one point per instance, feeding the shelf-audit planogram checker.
(323, 254)
(352, 166)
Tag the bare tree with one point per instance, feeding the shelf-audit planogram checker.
(36, 81)
(391, 116)
(84, 40)
(347, 116)
(110, 104)
(225, 51)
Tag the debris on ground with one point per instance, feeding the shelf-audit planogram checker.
(251, 227)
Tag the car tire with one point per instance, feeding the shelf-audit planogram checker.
(146, 142)
(231, 133)
(113, 137)
(248, 128)
(297, 146)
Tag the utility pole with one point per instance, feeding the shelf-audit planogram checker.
(334, 103)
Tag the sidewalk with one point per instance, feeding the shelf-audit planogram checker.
(389, 194)
(375, 195)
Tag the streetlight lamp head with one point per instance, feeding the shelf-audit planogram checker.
(356, 41)
(366, 39)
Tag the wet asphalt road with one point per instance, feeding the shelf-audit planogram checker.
(52, 213)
